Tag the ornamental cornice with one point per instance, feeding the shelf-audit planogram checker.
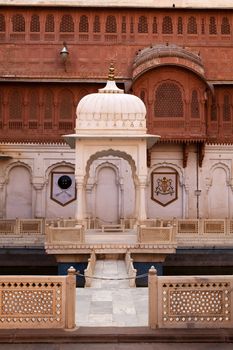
(158, 55)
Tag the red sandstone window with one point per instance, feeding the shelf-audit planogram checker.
(18, 23)
(66, 110)
(202, 26)
(15, 105)
(35, 23)
(111, 25)
(155, 26)
(212, 26)
(226, 109)
(2, 23)
(142, 25)
(225, 26)
(167, 25)
(48, 105)
(96, 25)
(67, 24)
(192, 25)
(123, 25)
(180, 25)
(33, 106)
(195, 112)
(168, 101)
(66, 103)
(49, 23)
(213, 112)
(131, 25)
(83, 24)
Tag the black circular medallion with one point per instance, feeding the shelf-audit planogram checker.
(64, 182)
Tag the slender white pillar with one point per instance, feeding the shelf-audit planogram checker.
(142, 203)
(80, 198)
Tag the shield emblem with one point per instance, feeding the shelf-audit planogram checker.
(63, 189)
(164, 187)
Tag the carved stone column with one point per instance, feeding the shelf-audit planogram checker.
(38, 207)
(142, 199)
(80, 198)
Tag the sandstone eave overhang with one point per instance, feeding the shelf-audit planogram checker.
(150, 139)
(166, 4)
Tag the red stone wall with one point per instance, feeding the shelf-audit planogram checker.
(30, 44)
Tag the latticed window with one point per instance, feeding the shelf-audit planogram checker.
(155, 26)
(192, 25)
(111, 25)
(15, 105)
(225, 26)
(195, 112)
(226, 109)
(49, 23)
(212, 26)
(33, 106)
(123, 25)
(67, 24)
(35, 23)
(2, 23)
(66, 102)
(96, 25)
(167, 25)
(168, 100)
(48, 105)
(83, 24)
(142, 25)
(18, 22)
(180, 25)
(213, 112)
(202, 26)
(131, 25)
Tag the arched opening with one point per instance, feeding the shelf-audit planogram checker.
(218, 195)
(107, 196)
(110, 186)
(19, 194)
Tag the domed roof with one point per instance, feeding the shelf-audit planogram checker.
(111, 111)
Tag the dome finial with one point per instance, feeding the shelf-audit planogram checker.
(111, 72)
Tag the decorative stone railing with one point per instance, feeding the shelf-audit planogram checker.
(22, 232)
(38, 302)
(131, 271)
(190, 302)
(89, 271)
(56, 236)
(204, 232)
(159, 235)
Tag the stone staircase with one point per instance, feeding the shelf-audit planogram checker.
(111, 302)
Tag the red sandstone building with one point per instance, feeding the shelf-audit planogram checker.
(176, 57)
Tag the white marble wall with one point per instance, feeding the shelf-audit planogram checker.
(25, 183)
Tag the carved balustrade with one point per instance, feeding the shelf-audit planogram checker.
(190, 302)
(38, 302)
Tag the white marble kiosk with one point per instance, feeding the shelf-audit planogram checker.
(111, 123)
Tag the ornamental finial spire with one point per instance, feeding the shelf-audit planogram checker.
(111, 72)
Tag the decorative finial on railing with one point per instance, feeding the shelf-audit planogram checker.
(111, 73)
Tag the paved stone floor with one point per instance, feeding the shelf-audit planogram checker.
(111, 302)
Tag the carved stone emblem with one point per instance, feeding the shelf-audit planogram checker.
(164, 187)
(63, 189)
